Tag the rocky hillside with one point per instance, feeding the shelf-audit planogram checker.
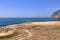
(56, 14)
(31, 31)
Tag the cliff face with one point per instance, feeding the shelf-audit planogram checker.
(56, 14)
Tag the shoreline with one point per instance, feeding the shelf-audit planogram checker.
(37, 23)
(10, 29)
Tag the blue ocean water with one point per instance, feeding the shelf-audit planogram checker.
(9, 21)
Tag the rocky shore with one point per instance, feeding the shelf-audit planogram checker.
(31, 31)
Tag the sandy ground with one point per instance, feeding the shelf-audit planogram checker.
(32, 23)
(8, 33)
(35, 31)
(44, 23)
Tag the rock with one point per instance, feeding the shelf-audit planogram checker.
(56, 14)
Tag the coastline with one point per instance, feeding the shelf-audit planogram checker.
(36, 23)
(28, 27)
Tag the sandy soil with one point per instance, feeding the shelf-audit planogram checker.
(47, 23)
(36, 31)
(7, 33)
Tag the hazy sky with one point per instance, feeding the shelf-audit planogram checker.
(28, 8)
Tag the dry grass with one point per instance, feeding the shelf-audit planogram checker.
(36, 32)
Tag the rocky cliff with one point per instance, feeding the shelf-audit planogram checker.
(56, 14)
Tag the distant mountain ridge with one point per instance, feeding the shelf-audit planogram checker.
(56, 14)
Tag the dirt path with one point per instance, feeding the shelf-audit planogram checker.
(18, 37)
(27, 36)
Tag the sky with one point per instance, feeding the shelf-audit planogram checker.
(28, 8)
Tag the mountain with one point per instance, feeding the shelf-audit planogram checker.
(56, 14)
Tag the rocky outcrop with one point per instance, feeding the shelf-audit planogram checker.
(56, 14)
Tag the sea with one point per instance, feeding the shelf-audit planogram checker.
(9, 21)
